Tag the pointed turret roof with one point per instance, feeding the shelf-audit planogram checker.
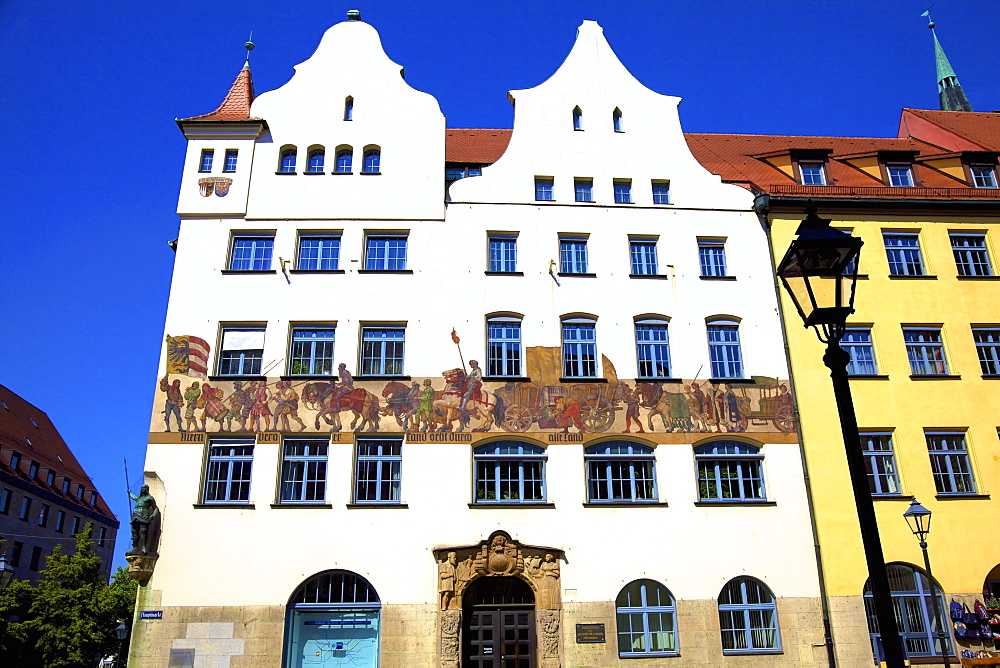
(951, 97)
(236, 106)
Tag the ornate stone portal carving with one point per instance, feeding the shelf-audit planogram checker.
(451, 624)
(548, 622)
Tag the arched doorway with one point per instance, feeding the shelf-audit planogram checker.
(498, 624)
(332, 619)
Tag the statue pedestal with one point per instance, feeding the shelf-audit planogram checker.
(140, 566)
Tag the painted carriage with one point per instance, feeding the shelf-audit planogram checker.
(774, 405)
(528, 404)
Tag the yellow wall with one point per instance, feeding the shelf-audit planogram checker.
(869, 166)
(950, 166)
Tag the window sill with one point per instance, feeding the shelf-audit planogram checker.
(228, 171)
(735, 502)
(717, 278)
(371, 173)
(230, 272)
(892, 497)
(625, 504)
(241, 506)
(506, 379)
(377, 505)
(341, 173)
(286, 173)
(732, 381)
(385, 377)
(504, 273)
(920, 277)
(978, 278)
(544, 200)
(291, 504)
(654, 277)
(316, 271)
(945, 497)
(243, 378)
(868, 376)
(312, 173)
(991, 376)
(385, 271)
(577, 275)
(934, 376)
(512, 505)
(659, 380)
(751, 652)
(567, 379)
(305, 376)
(644, 655)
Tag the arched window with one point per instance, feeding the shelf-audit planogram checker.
(373, 157)
(911, 597)
(647, 620)
(577, 118)
(349, 108)
(333, 610)
(345, 156)
(729, 471)
(616, 120)
(724, 348)
(317, 156)
(652, 348)
(287, 164)
(503, 348)
(509, 472)
(748, 618)
(579, 347)
(620, 472)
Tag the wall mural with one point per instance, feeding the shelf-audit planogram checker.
(459, 401)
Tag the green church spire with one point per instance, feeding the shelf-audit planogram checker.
(951, 97)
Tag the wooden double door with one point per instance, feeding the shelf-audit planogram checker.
(498, 625)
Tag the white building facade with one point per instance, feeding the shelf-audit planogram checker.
(535, 418)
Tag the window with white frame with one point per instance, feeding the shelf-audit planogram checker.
(503, 253)
(903, 252)
(661, 192)
(543, 189)
(724, 349)
(811, 173)
(712, 255)
(312, 351)
(983, 176)
(227, 478)
(207, 156)
(729, 471)
(303, 471)
(286, 165)
(912, 592)
(857, 342)
(925, 351)
(382, 350)
(579, 348)
(583, 190)
(646, 617)
(242, 351)
(652, 348)
(385, 252)
(345, 160)
(748, 617)
(379, 467)
(620, 472)
(988, 347)
(573, 255)
(880, 463)
(251, 252)
(509, 472)
(971, 256)
(623, 191)
(503, 346)
(900, 174)
(319, 252)
(642, 253)
(950, 462)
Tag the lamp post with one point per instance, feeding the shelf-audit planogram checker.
(819, 271)
(122, 632)
(919, 520)
(6, 572)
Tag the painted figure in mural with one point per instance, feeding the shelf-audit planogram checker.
(473, 384)
(425, 409)
(346, 385)
(631, 401)
(211, 400)
(784, 399)
(191, 396)
(401, 403)
(567, 412)
(699, 421)
(260, 408)
(728, 409)
(323, 398)
(446, 579)
(239, 407)
(448, 407)
(287, 406)
(145, 523)
(173, 403)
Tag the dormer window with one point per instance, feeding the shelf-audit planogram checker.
(616, 120)
(811, 173)
(899, 174)
(983, 176)
(577, 118)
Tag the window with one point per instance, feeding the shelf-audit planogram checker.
(983, 176)
(503, 346)
(15, 556)
(620, 472)
(378, 472)
(312, 351)
(857, 342)
(661, 192)
(911, 597)
(503, 253)
(60, 520)
(712, 255)
(385, 253)
(988, 346)
(103, 536)
(724, 349)
(925, 351)
(652, 348)
(579, 348)
(242, 351)
(623, 192)
(950, 463)
(729, 471)
(287, 165)
(36, 557)
(15, 461)
(80, 489)
(43, 515)
(647, 620)
(900, 175)
(319, 253)
(643, 255)
(454, 173)
(616, 120)
(93, 498)
(880, 462)
(584, 189)
(509, 472)
(543, 190)
(50, 478)
(230, 462)
(65, 485)
(812, 173)
(251, 253)
(382, 351)
(573, 255)
(207, 155)
(303, 471)
(75, 526)
(373, 158)
(317, 157)
(349, 108)
(748, 617)
(903, 251)
(345, 157)
(25, 508)
(577, 118)
(33, 470)
(232, 155)
(5, 495)
(971, 256)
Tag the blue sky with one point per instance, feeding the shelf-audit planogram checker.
(88, 186)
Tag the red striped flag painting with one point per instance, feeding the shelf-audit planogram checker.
(188, 355)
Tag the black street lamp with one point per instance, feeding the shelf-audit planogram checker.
(919, 520)
(121, 631)
(819, 272)
(6, 572)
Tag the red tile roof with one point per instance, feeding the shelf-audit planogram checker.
(976, 127)
(476, 146)
(236, 106)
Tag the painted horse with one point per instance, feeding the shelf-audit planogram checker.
(326, 399)
(448, 407)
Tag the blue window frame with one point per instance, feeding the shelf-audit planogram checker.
(652, 348)
(616, 120)
(579, 348)
(373, 159)
(303, 471)
(382, 351)
(242, 351)
(509, 472)
(620, 472)
(454, 173)
(349, 108)
(988, 346)
(812, 173)
(573, 255)
(207, 156)
(251, 253)
(317, 157)
(232, 155)
(543, 190)
(748, 618)
(230, 463)
(379, 468)
(880, 463)
(950, 463)
(345, 157)
(385, 253)
(661, 192)
(729, 471)
(288, 158)
(584, 190)
(623, 192)
(577, 119)
(503, 347)
(903, 252)
(925, 350)
(971, 256)
(643, 256)
(647, 620)
(503, 253)
(857, 342)
(911, 597)
(312, 351)
(712, 255)
(319, 253)
(724, 349)
(900, 175)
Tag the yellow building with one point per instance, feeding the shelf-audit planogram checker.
(925, 347)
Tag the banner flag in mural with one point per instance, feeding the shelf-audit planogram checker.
(187, 354)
